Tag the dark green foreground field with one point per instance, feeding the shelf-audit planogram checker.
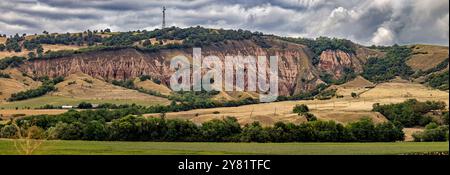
(152, 148)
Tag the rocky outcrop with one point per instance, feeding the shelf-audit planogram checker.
(296, 73)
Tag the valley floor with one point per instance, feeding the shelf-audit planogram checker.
(56, 147)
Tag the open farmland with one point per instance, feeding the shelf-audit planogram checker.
(182, 148)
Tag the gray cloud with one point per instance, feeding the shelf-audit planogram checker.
(364, 21)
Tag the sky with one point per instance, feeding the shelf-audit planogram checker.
(368, 22)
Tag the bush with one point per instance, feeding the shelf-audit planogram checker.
(300, 109)
(394, 64)
(2, 75)
(432, 133)
(126, 124)
(409, 113)
(220, 130)
(145, 77)
(8, 131)
(84, 105)
(309, 117)
(439, 80)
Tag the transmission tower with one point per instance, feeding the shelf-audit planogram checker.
(164, 17)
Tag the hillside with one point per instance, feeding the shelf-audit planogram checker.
(426, 57)
(91, 60)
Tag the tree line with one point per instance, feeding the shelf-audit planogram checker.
(122, 125)
(409, 113)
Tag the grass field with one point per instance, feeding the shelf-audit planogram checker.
(61, 100)
(178, 148)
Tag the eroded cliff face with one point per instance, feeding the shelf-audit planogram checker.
(296, 73)
(334, 62)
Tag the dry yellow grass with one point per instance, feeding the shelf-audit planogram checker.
(427, 56)
(150, 85)
(80, 85)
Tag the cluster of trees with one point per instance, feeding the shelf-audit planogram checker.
(321, 44)
(2, 47)
(409, 113)
(439, 67)
(394, 64)
(11, 61)
(3, 75)
(119, 125)
(347, 75)
(303, 110)
(432, 133)
(13, 43)
(88, 37)
(47, 86)
(192, 37)
(439, 80)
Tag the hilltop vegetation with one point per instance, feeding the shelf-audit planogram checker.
(409, 113)
(393, 64)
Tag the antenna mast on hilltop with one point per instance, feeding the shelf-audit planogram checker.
(164, 17)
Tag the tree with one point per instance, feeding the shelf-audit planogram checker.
(299, 109)
(432, 133)
(84, 105)
(2, 47)
(363, 130)
(94, 130)
(254, 133)
(309, 117)
(354, 95)
(39, 51)
(220, 130)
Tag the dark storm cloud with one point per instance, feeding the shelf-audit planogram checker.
(365, 21)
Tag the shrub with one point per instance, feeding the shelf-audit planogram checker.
(299, 109)
(354, 95)
(432, 133)
(409, 113)
(8, 131)
(84, 105)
